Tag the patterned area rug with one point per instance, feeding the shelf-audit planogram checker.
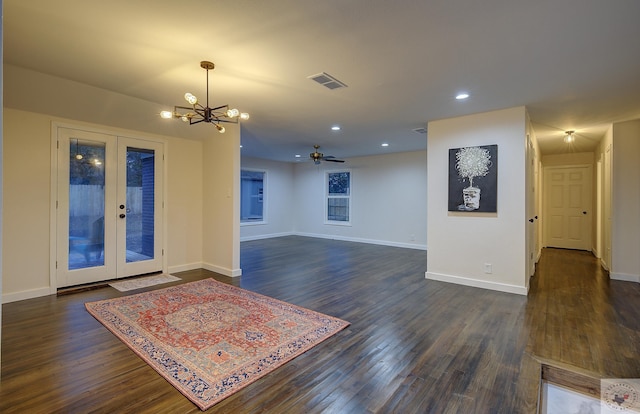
(143, 282)
(210, 339)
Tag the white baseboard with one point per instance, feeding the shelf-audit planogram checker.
(27, 294)
(45, 291)
(266, 236)
(222, 270)
(185, 267)
(483, 284)
(368, 241)
(625, 277)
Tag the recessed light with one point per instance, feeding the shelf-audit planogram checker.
(297, 155)
(462, 96)
(384, 144)
(335, 128)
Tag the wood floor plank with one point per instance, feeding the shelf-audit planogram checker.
(413, 346)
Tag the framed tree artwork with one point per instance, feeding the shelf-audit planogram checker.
(473, 179)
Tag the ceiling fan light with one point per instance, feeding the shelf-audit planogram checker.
(190, 98)
(232, 113)
(244, 116)
(166, 114)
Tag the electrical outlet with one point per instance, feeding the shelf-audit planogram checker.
(487, 268)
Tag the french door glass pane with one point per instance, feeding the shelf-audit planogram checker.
(86, 204)
(140, 204)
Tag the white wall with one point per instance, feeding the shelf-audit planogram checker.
(460, 244)
(278, 200)
(625, 261)
(388, 200)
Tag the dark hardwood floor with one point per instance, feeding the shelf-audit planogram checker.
(413, 346)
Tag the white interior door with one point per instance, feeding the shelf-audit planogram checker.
(109, 207)
(568, 207)
(532, 215)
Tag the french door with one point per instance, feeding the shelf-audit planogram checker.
(109, 207)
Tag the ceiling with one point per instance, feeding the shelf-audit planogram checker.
(575, 64)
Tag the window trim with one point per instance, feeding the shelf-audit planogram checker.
(264, 198)
(327, 197)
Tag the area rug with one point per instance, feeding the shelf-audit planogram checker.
(210, 339)
(143, 282)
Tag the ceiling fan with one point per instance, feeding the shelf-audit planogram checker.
(318, 156)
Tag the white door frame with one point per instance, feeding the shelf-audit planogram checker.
(53, 224)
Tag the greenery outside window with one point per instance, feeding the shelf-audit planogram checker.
(252, 196)
(338, 197)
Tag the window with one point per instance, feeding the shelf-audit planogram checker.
(338, 197)
(252, 196)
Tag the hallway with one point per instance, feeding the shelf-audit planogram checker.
(578, 316)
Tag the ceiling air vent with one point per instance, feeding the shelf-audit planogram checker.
(327, 81)
(420, 130)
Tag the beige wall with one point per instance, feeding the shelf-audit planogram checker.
(604, 154)
(184, 178)
(32, 101)
(1, 163)
(625, 242)
(221, 202)
(578, 158)
(26, 207)
(27, 201)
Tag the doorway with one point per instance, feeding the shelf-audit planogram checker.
(109, 207)
(568, 207)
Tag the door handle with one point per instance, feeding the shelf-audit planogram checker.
(584, 212)
(530, 220)
(123, 215)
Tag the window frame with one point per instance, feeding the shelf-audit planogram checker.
(263, 198)
(348, 197)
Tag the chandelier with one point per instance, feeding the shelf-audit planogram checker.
(197, 113)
